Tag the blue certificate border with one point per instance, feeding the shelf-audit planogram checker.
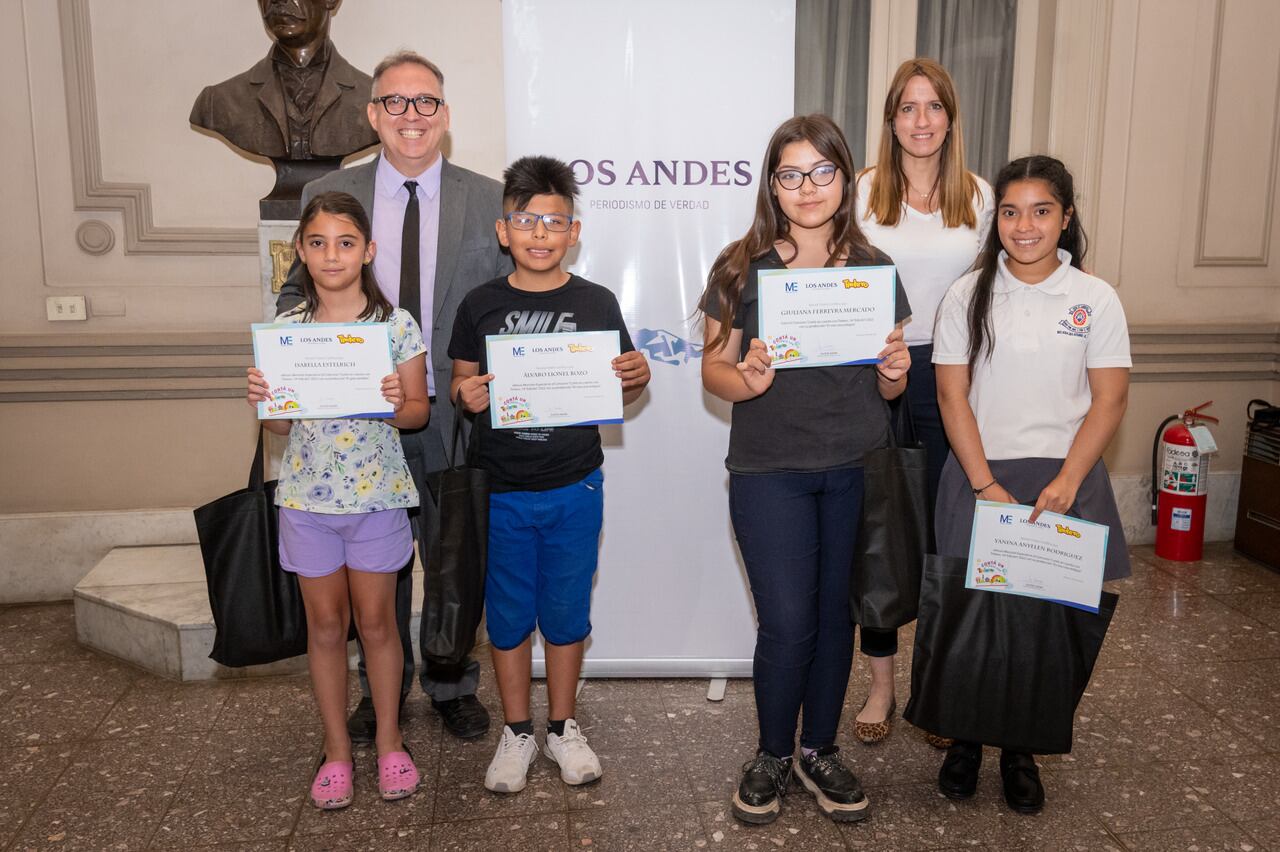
(777, 273)
(973, 536)
(391, 353)
(491, 339)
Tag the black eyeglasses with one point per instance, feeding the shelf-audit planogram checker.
(818, 176)
(426, 105)
(524, 221)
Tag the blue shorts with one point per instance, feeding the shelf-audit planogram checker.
(313, 544)
(543, 549)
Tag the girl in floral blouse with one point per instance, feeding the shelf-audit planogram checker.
(343, 494)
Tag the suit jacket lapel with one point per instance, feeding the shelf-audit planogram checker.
(270, 94)
(453, 209)
(364, 185)
(338, 77)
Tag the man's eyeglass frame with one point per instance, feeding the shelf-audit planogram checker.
(418, 101)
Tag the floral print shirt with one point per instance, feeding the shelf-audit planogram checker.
(349, 465)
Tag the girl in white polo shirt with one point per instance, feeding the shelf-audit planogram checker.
(1032, 358)
(922, 207)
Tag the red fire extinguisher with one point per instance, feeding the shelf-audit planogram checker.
(1181, 483)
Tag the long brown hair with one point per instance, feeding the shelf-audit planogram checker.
(729, 273)
(956, 187)
(343, 204)
(1072, 239)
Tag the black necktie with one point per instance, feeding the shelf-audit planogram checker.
(410, 276)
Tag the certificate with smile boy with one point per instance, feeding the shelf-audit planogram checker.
(1058, 558)
(564, 379)
(829, 316)
(323, 370)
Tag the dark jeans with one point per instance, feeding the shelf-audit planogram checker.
(922, 394)
(442, 683)
(797, 533)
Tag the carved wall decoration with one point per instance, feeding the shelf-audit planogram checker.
(95, 237)
(131, 200)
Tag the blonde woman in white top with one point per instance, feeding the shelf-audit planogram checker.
(922, 207)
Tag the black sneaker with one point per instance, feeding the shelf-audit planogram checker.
(765, 779)
(836, 788)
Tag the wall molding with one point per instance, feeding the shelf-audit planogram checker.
(1112, 168)
(135, 366)
(210, 365)
(1262, 258)
(131, 200)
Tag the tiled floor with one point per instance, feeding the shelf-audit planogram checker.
(1177, 747)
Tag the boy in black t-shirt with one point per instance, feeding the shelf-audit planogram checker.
(547, 500)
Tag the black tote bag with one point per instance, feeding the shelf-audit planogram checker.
(457, 542)
(257, 606)
(1000, 669)
(893, 533)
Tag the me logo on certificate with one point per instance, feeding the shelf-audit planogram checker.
(1057, 558)
(559, 379)
(825, 317)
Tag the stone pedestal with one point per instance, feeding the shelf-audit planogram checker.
(275, 256)
(150, 606)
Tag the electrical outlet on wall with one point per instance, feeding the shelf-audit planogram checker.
(60, 308)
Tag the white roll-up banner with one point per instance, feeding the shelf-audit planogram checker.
(663, 109)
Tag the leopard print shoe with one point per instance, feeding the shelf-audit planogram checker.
(942, 743)
(874, 732)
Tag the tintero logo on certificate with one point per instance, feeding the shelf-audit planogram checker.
(1057, 558)
(323, 370)
(564, 379)
(824, 317)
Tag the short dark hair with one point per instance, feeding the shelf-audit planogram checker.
(530, 176)
(405, 57)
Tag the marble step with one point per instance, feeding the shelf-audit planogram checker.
(150, 606)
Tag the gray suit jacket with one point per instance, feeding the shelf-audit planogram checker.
(467, 256)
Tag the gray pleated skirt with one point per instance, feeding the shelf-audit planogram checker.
(1025, 479)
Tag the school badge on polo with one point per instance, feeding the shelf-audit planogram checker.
(1077, 322)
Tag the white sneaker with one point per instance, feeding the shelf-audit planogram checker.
(578, 763)
(510, 764)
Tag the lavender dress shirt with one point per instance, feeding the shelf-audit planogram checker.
(390, 198)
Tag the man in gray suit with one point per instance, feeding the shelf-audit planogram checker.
(433, 223)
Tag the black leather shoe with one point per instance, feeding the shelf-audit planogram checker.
(835, 788)
(958, 777)
(362, 724)
(464, 716)
(1022, 788)
(765, 779)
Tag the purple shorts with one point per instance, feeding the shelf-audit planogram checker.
(315, 545)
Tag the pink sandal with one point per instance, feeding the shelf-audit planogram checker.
(397, 776)
(332, 788)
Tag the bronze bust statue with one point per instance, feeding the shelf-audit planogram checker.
(303, 105)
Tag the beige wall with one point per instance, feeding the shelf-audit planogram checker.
(149, 59)
(1165, 110)
(1123, 90)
